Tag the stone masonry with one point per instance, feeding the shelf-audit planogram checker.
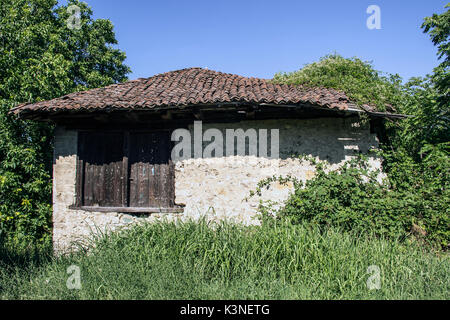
(215, 188)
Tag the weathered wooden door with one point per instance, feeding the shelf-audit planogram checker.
(103, 170)
(151, 170)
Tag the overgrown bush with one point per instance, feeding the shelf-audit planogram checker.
(411, 203)
(415, 198)
(358, 79)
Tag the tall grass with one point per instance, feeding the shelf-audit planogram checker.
(194, 261)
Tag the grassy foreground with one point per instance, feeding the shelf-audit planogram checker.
(194, 261)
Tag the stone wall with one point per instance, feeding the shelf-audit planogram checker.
(214, 187)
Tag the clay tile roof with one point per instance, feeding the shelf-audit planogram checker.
(187, 87)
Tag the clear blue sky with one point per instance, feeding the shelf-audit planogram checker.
(259, 38)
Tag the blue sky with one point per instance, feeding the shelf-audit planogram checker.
(259, 38)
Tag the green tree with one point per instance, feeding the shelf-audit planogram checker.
(438, 27)
(429, 123)
(428, 97)
(358, 79)
(416, 156)
(42, 57)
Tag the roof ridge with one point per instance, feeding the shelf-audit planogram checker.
(200, 68)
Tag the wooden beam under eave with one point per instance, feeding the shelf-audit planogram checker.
(198, 114)
(250, 115)
(167, 115)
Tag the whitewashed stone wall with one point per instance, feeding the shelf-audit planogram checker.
(214, 187)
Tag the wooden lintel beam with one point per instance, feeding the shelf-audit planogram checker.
(128, 209)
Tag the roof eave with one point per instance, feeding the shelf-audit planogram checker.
(40, 115)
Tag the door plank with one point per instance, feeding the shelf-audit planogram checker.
(103, 170)
(150, 169)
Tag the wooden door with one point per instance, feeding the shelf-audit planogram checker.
(103, 171)
(151, 170)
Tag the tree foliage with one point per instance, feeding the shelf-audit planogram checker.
(358, 79)
(416, 155)
(429, 121)
(42, 58)
(438, 27)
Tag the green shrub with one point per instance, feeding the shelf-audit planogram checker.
(413, 201)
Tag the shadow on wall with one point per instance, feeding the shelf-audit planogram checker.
(330, 139)
(65, 144)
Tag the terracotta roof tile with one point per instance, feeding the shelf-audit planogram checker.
(187, 87)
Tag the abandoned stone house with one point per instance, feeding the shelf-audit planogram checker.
(113, 147)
